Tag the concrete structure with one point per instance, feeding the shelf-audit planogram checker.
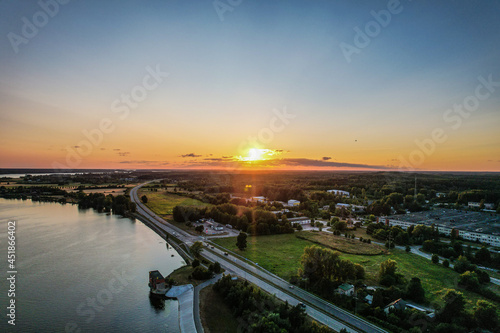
(300, 220)
(471, 204)
(345, 289)
(470, 226)
(258, 199)
(342, 205)
(339, 192)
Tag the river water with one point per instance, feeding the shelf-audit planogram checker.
(82, 270)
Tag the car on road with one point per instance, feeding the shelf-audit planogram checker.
(226, 254)
(291, 287)
(302, 305)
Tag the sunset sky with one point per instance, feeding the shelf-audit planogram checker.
(262, 84)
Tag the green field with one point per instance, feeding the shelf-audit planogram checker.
(162, 203)
(281, 254)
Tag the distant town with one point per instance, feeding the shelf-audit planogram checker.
(393, 252)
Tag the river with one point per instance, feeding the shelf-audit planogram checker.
(83, 270)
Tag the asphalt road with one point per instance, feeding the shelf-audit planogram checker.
(318, 309)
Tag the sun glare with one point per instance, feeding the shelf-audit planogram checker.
(259, 154)
(255, 154)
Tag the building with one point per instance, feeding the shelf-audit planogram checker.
(398, 304)
(441, 195)
(478, 204)
(258, 199)
(339, 192)
(300, 220)
(342, 205)
(293, 203)
(470, 235)
(345, 289)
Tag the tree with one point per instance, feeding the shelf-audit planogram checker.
(485, 315)
(216, 268)
(387, 273)
(144, 199)
(415, 291)
(462, 265)
(200, 273)
(324, 267)
(454, 304)
(483, 255)
(340, 225)
(319, 225)
(241, 241)
(199, 228)
(408, 249)
(196, 248)
(435, 259)
(446, 263)
(469, 280)
(195, 263)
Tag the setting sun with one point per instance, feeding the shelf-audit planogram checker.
(255, 154)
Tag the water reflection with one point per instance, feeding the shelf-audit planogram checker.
(157, 302)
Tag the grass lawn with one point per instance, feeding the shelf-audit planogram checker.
(180, 276)
(281, 254)
(215, 315)
(162, 203)
(342, 244)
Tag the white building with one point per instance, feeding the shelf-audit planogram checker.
(300, 220)
(339, 192)
(472, 236)
(258, 199)
(292, 203)
(342, 205)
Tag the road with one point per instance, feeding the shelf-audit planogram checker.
(318, 309)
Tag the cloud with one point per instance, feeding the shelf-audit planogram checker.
(145, 162)
(125, 153)
(190, 155)
(305, 162)
(281, 163)
(326, 158)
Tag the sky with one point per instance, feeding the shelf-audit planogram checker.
(328, 85)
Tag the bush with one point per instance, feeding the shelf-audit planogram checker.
(195, 263)
(435, 259)
(200, 273)
(446, 263)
